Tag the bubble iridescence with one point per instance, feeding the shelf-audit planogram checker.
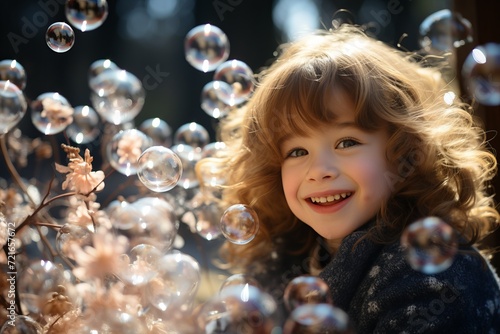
(11, 70)
(159, 168)
(443, 31)
(240, 78)
(86, 15)
(13, 106)
(60, 37)
(239, 224)
(481, 73)
(430, 245)
(206, 47)
(306, 290)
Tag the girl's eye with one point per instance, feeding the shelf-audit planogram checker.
(297, 152)
(346, 143)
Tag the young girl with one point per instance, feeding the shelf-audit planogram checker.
(344, 143)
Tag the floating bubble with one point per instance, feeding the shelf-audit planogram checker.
(85, 126)
(189, 157)
(117, 95)
(239, 224)
(210, 102)
(13, 71)
(306, 290)
(125, 148)
(192, 134)
(481, 72)
(13, 106)
(430, 244)
(239, 310)
(60, 37)
(207, 219)
(239, 76)
(86, 15)
(71, 234)
(444, 30)
(149, 220)
(51, 113)
(38, 281)
(23, 325)
(159, 168)
(206, 47)
(142, 261)
(176, 284)
(342, 16)
(99, 66)
(318, 318)
(158, 130)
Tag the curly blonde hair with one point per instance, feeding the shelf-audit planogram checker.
(439, 152)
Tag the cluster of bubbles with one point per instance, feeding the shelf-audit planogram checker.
(444, 31)
(207, 49)
(162, 160)
(84, 15)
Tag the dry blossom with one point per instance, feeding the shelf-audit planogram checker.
(79, 174)
(101, 259)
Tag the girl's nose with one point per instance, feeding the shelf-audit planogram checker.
(323, 166)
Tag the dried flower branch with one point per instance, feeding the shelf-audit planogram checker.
(79, 174)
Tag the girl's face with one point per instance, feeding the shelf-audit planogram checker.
(335, 178)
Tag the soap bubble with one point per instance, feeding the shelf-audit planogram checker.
(159, 168)
(206, 47)
(117, 95)
(239, 76)
(86, 15)
(142, 261)
(189, 156)
(71, 234)
(444, 30)
(207, 219)
(158, 130)
(60, 37)
(177, 282)
(192, 134)
(13, 71)
(239, 310)
(239, 224)
(99, 66)
(85, 126)
(24, 325)
(318, 318)
(125, 148)
(342, 16)
(51, 113)
(13, 106)
(306, 290)
(148, 220)
(210, 101)
(481, 73)
(430, 245)
(38, 281)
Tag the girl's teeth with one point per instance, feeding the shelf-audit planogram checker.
(330, 198)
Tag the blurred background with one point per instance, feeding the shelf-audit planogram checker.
(146, 38)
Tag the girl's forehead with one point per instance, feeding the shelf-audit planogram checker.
(341, 105)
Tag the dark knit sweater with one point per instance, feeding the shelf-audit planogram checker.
(382, 294)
